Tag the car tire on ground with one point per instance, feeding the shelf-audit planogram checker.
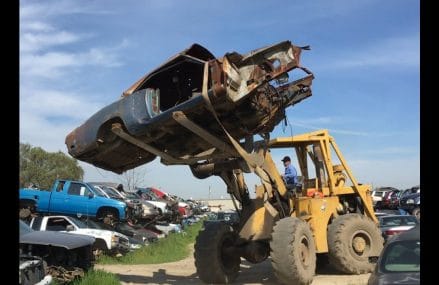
(293, 252)
(351, 239)
(215, 260)
(417, 213)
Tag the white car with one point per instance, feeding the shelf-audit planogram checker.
(107, 241)
(163, 207)
(378, 194)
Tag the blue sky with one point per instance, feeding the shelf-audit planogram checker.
(79, 56)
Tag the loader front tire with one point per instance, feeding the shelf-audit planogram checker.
(352, 238)
(215, 259)
(293, 251)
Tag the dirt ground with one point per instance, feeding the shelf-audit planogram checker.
(183, 272)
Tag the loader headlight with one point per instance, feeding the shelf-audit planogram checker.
(410, 201)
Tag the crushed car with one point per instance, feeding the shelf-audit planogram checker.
(247, 92)
(67, 255)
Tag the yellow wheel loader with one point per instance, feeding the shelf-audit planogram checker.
(324, 216)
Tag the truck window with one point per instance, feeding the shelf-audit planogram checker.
(83, 191)
(57, 224)
(60, 186)
(75, 189)
(36, 225)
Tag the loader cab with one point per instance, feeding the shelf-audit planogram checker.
(325, 172)
(319, 174)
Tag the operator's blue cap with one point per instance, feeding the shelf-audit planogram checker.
(286, 158)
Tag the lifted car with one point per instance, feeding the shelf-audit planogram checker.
(249, 94)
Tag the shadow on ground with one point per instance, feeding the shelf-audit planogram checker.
(160, 277)
(261, 273)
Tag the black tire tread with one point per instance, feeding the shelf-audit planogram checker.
(287, 268)
(208, 256)
(339, 255)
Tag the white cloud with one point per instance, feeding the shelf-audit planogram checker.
(326, 123)
(46, 103)
(33, 42)
(392, 150)
(400, 173)
(38, 131)
(46, 69)
(396, 52)
(45, 10)
(331, 130)
(35, 26)
(38, 33)
(57, 64)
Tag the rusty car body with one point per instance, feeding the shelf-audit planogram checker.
(167, 111)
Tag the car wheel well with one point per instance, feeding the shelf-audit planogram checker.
(108, 212)
(100, 244)
(105, 134)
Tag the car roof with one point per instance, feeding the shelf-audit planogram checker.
(412, 234)
(381, 214)
(396, 216)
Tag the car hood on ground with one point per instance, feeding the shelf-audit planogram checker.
(99, 232)
(66, 240)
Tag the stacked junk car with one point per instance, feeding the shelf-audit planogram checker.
(225, 109)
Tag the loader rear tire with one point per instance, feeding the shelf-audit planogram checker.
(215, 259)
(351, 239)
(293, 251)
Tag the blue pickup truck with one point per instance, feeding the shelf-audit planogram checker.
(73, 198)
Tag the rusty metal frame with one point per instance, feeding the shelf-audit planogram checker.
(183, 120)
(221, 145)
(117, 129)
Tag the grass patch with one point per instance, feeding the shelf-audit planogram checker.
(94, 277)
(172, 248)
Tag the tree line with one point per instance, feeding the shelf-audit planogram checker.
(40, 168)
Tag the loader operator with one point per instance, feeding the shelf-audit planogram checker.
(290, 175)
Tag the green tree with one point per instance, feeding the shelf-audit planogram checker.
(40, 167)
